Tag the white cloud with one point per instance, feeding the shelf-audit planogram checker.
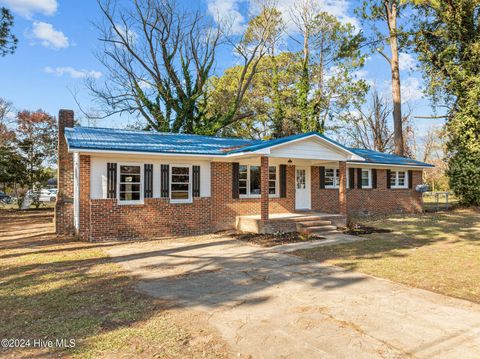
(227, 13)
(406, 61)
(230, 11)
(48, 36)
(29, 7)
(411, 89)
(73, 73)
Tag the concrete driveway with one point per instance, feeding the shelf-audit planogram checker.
(273, 305)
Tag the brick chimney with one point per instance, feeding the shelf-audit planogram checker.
(64, 206)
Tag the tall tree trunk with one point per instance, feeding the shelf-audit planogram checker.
(304, 86)
(391, 11)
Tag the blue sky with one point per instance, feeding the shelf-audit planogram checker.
(57, 41)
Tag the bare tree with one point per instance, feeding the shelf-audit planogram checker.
(370, 129)
(160, 57)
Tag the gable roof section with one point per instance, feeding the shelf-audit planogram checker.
(95, 139)
(386, 159)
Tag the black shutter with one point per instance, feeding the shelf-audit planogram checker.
(410, 179)
(321, 176)
(283, 181)
(389, 175)
(196, 181)
(111, 180)
(359, 178)
(148, 181)
(374, 178)
(164, 180)
(351, 178)
(235, 179)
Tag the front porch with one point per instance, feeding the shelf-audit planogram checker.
(302, 222)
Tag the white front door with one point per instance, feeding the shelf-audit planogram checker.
(302, 185)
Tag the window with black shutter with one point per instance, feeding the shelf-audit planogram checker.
(164, 180)
(111, 180)
(359, 178)
(321, 175)
(148, 180)
(235, 179)
(374, 178)
(351, 178)
(196, 181)
(283, 181)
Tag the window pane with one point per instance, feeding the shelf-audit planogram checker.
(129, 196)
(365, 178)
(130, 169)
(401, 178)
(179, 195)
(329, 177)
(301, 179)
(180, 183)
(180, 170)
(180, 187)
(272, 169)
(130, 178)
(254, 179)
(129, 187)
(242, 190)
(180, 178)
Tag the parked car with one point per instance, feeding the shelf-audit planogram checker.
(5, 198)
(45, 195)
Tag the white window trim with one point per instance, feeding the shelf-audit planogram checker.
(248, 195)
(141, 200)
(335, 177)
(369, 186)
(396, 185)
(190, 197)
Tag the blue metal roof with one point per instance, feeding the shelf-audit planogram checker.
(108, 139)
(385, 158)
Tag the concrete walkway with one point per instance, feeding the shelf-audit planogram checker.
(273, 305)
(330, 239)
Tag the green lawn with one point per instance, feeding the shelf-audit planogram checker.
(438, 251)
(51, 288)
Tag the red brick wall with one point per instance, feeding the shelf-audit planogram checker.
(368, 201)
(84, 183)
(225, 208)
(64, 204)
(156, 218)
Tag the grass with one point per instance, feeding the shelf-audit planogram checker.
(58, 288)
(439, 252)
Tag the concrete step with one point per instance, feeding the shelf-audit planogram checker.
(315, 222)
(317, 229)
(306, 218)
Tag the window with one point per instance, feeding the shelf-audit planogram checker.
(255, 179)
(180, 188)
(332, 177)
(130, 183)
(398, 179)
(272, 180)
(249, 181)
(366, 178)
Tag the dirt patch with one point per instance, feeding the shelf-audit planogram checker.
(272, 240)
(360, 230)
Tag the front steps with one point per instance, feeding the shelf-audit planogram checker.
(308, 223)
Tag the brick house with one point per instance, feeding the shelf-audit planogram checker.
(121, 184)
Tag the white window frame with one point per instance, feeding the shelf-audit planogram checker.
(249, 195)
(369, 171)
(141, 200)
(190, 198)
(336, 177)
(396, 185)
